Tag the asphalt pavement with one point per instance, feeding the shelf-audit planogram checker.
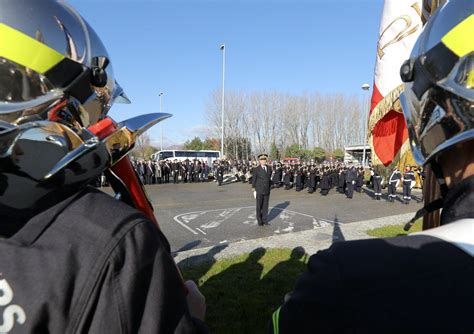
(198, 215)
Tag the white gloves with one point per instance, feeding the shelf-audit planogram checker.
(255, 194)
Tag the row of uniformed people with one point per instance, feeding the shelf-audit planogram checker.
(345, 178)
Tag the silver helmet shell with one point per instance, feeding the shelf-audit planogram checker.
(55, 81)
(438, 101)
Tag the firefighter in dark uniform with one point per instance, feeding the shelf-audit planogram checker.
(393, 182)
(374, 286)
(73, 259)
(325, 182)
(408, 183)
(377, 183)
(277, 175)
(287, 176)
(261, 185)
(351, 177)
(360, 179)
(312, 182)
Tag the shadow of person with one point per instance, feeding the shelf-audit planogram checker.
(370, 193)
(280, 280)
(233, 294)
(195, 267)
(277, 209)
(189, 245)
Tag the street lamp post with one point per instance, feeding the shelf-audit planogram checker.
(222, 107)
(366, 88)
(161, 123)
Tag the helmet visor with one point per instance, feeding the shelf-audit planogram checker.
(22, 89)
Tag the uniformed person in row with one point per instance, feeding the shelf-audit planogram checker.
(277, 175)
(176, 168)
(287, 177)
(299, 178)
(220, 173)
(351, 177)
(312, 179)
(325, 181)
(360, 179)
(393, 183)
(408, 184)
(377, 183)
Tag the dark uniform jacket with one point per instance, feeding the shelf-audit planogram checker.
(261, 180)
(91, 264)
(409, 284)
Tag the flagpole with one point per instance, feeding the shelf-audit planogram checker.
(366, 88)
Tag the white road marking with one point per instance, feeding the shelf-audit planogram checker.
(184, 225)
(201, 231)
(285, 214)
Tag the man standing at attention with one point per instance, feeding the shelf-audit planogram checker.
(261, 184)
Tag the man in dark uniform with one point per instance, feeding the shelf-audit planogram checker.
(393, 182)
(277, 176)
(421, 283)
(408, 183)
(175, 169)
(299, 178)
(351, 176)
(360, 179)
(377, 183)
(261, 185)
(325, 182)
(220, 173)
(73, 259)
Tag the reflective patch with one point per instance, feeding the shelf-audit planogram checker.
(276, 319)
(460, 39)
(24, 50)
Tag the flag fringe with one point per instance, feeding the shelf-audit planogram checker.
(390, 102)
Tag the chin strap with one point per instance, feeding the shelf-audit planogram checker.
(436, 204)
(433, 206)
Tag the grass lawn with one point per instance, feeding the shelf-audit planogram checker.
(394, 230)
(243, 292)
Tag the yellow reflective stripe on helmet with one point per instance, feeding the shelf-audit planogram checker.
(276, 319)
(24, 50)
(460, 39)
(470, 79)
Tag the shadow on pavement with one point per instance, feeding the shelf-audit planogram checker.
(188, 246)
(337, 235)
(277, 209)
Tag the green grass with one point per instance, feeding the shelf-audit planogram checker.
(243, 292)
(394, 230)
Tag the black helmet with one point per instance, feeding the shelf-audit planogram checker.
(438, 101)
(55, 81)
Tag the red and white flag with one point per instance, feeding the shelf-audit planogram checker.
(400, 26)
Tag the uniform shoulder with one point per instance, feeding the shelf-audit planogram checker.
(363, 264)
(96, 213)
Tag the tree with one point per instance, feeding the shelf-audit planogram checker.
(338, 154)
(274, 154)
(143, 148)
(195, 144)
(211, 144)
(318, 154)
